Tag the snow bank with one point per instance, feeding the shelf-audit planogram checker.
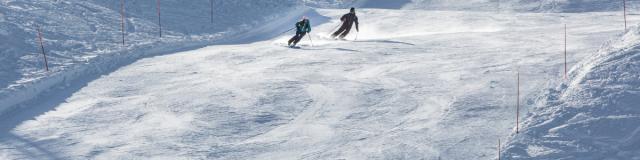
(521, 5)
(582, 5)
(594, 116)
(83, 38)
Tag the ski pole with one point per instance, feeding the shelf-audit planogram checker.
(286, 31)
(357, 32)
(334, 29)
(310, 39)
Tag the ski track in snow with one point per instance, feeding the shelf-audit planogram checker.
(441, 86)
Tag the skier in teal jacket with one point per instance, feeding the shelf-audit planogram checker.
(302, 28)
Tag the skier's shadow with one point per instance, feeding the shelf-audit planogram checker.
(339, 49)
(387, 41)
(344, 49)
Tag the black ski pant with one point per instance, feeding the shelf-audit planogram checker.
(343, 31)
(295, 39)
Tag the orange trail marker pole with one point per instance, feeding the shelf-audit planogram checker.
(499, 149)
(46, 64)
(211, 6)
(518, 105)
(624, 5)
(159, 22)
(498, 6)
(122, 20)
(565, 51)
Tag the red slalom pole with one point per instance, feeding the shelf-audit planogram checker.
(122, 19)
(46, 64)
(518, 106)
(159, 22)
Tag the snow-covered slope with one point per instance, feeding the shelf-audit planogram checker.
(521, 5)
(437, 87)
(416, 84)
(83, 37)
(595, 115)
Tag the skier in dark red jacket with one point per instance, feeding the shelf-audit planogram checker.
(347, 23)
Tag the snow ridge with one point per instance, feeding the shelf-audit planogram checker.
(594, 116)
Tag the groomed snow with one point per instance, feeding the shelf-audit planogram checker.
(416, 84)
(440, 86)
